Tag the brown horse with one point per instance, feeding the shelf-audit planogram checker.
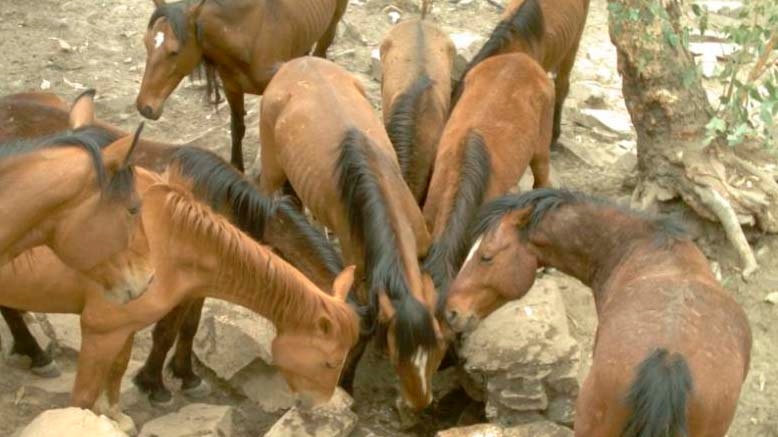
(416, 62)
(672, 347)
(547, 30)
(36, 114)
(241, 40)
(71, 191)
(342, 165)
(279, 224)
(502, 126)
(197, 253)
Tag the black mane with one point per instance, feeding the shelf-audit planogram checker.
(526, 23)
(90, 138)
(448, 252)
(176, 14)
(666, 229)
(368, 216)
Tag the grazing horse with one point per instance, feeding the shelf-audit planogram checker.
(342, 165)
(502, 126)
(547, 30)
(672, 346)
(241, 40)
(197, 253)
(72, 191)
(416, 62)
(36, 114)
(279, 224)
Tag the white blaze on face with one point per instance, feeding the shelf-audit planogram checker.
(420, 362)
(473, 250)
(159, 38)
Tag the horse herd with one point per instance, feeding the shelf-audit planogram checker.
(127, 232)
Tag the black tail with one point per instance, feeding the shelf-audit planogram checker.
(447, 253)
(658, 395)
(368, 216)
(401, 126)
(526, 24)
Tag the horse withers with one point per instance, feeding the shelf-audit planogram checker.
(549, 31)
(672, 347)
(416, 62)
(343, 167)
(242, 41)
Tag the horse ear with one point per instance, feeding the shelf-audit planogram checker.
(520, 217)
(343, 283)
(118, 154)
(325, 325)
(386, 308)
(82, 113)
(159, 3)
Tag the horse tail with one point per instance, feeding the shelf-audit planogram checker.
(658, 397)
(368, 215)
(448, 252)
(401, 126)
(526, 24)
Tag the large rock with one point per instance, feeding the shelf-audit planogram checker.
(71, 422)
(231, 337)
(195, 420)
(334, 419)
(522, 361)
(535, 429)
(467, 45)
(264, 384)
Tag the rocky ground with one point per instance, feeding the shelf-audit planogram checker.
(65, 46)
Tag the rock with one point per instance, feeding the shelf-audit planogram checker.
(71, 422)
(195, 420)
(333, 419)
(264, 384)
(375, 64)
(528, 179)
(588, 95)
(522, 360)
(534, 429)
(772, 298)
(231, 337)
(616, 122)
(467, 45)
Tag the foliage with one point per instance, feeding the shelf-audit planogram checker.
(749, 104)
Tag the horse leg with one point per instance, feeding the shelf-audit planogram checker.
(326, 39)
(114, 386)
(181, 364)
(352, 361)
(25, 344)
(149, 378)
(540, 169)
(272, 177)
(561, 88)
(237, 125)
(98, 354)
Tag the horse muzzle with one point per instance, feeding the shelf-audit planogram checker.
(461, 322)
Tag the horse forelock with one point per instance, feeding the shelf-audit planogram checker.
(370, 222)
(291, 300)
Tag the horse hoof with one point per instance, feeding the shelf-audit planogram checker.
(161, 398)
(199, 391)
(50, 370)
(126, 424)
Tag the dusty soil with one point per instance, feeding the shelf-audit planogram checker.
(104, 51)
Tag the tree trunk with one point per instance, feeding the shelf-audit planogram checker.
(669, 108)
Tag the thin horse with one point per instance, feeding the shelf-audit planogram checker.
(547, 30)
(672, 347)
(36, 114)
(342, 165)
(501, 127)
(416, 62)
(279, 224)
(241, 41)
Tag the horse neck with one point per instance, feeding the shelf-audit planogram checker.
(587, 241)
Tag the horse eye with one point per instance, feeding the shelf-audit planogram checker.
(330, 365)
(486, 258)
(173, 53)
(134, 209)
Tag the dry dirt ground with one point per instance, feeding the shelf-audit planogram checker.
(104, 50)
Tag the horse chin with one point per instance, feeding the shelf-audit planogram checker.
(463, 323)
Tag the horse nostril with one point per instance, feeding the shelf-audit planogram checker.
(146, 111)
(451, 315)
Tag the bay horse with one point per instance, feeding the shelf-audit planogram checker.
(242, 41)
(501, 127)
(276, 223)
(416, 62)
(549, 31)
(672, 347)
(72, 191)
(343, 167)
(36, 114)
(197, 253)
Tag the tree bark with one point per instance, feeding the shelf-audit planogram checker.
(669, 109)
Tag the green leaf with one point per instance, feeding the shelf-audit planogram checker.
(716, 125)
